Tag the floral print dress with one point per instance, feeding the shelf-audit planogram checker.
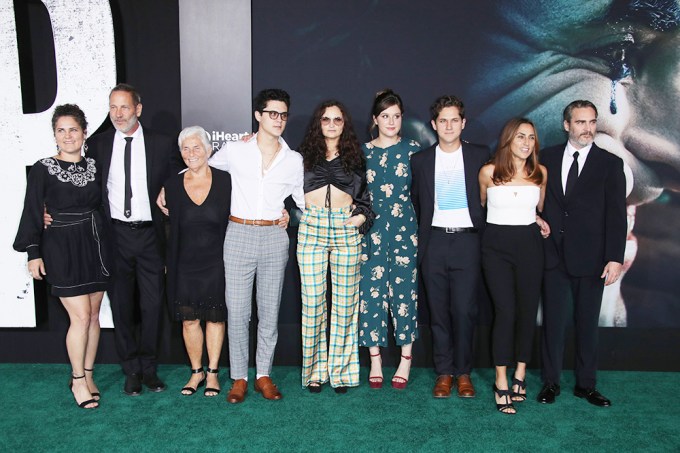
(388, 271)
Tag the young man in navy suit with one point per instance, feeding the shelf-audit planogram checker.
(585, 206)
(445, 194)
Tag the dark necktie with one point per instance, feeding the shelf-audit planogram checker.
(572, 176)
(128, 185)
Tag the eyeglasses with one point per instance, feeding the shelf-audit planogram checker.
(337, 121)
(273, 114)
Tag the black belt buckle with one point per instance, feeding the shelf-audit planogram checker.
(134, 225)
(452, 230)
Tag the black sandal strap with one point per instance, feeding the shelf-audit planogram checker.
(213, 371)
(521, 384)
(73, 376)
(85, 403)
(197, 370)
(89, 369)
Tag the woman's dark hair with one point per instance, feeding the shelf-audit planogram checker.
(71, 110)
(383, 100)
(504, 169)
(313, 147)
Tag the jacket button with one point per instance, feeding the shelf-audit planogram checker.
(566, 214)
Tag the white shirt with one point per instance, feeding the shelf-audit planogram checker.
(568, 159)
(255, 196)
(512, 205)
(140, 205)
(450, 193)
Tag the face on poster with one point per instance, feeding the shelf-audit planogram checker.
(507, 59)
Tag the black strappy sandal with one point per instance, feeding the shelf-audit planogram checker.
(84, 404)
(192, 390)
(516, 396)
(95, 395)
(506, 408)
(211, 389)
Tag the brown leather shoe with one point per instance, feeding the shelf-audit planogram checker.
(465, 387)
(442, 386)
(268, 389)
(238, 391)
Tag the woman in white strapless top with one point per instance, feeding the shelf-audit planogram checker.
(512, 187)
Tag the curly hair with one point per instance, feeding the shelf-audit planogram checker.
(504, 169)
(313, 147)
(71, 110)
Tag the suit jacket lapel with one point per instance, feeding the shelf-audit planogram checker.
(148, 152)
(553, 163)
(471, 175)
(428, 169)
(590, 168)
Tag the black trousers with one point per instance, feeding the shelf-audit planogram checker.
(451, 272)
(568, 298)
(137, 262)
(512, 259)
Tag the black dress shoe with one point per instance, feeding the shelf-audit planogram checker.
(593, 396)
(340, 390)
(548, 393)
(153, 382)
(133, 385)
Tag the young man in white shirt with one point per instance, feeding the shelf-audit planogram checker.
(264, 172)
(445, 195)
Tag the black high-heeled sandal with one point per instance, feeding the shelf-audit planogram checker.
(84, 404)
(314, 387)
(192, 390)
(504, 408)
(95, 395)
(212, 389)
(516, 396)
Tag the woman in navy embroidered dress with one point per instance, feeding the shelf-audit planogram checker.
(70, 253)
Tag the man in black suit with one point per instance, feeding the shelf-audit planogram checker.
(445, 194)
(585, 206)
(135, 163)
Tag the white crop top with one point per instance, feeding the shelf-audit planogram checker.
(512, 205)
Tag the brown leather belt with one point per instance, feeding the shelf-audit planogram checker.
(254, 222)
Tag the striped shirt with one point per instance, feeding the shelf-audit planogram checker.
(450, 200)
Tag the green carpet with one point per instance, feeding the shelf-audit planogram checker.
(39, 414)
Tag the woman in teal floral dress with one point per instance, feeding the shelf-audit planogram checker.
(388, 273)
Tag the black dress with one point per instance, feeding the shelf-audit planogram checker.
(73, 248)
(195, 251)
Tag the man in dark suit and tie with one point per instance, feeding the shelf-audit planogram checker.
(585, 206)
(135, 163)
(445, 194)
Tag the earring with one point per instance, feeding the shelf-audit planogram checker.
(58, 150)
(84, 148)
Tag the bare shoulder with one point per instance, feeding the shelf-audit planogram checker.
(487, 170)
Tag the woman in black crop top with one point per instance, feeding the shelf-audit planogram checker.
(338, 211)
